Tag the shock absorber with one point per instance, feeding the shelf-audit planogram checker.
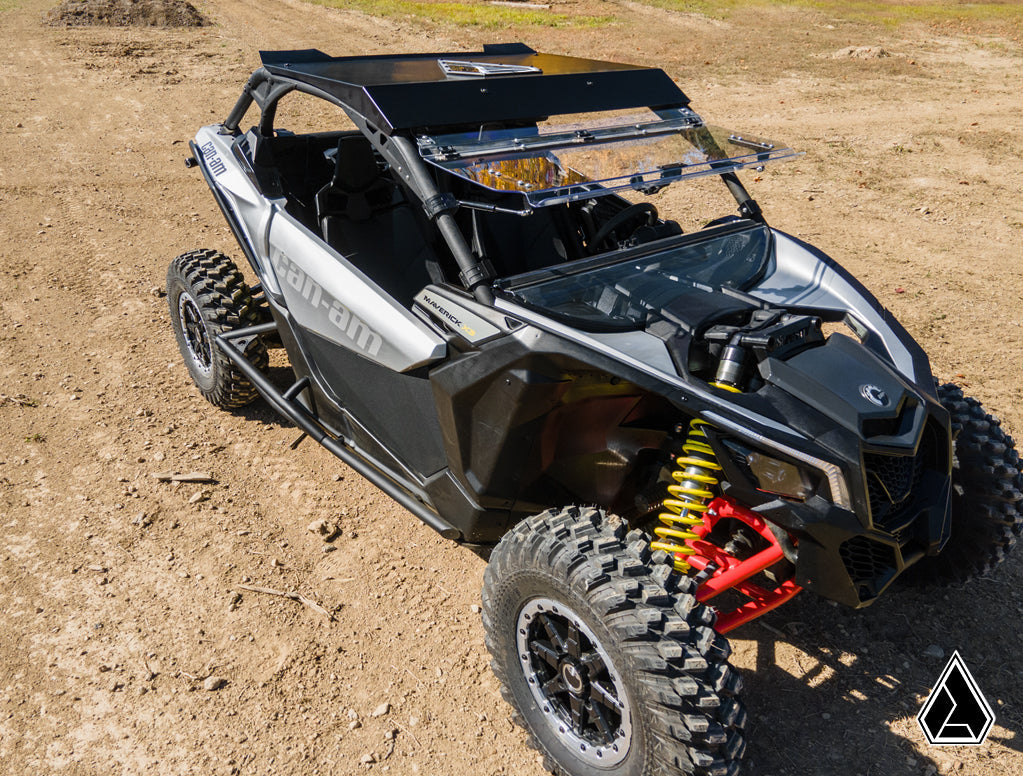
(694, 486)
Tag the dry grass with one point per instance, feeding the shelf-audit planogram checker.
(471, 14)
(886, 13)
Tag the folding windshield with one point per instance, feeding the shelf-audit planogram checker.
(634, 292)
(551, 163)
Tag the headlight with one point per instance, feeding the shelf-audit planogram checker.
(831, 472)
(772, 475)
(779, 477)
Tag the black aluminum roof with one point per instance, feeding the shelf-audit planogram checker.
(412, 91)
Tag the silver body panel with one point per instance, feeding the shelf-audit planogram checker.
(803, 278)
(324, 292)
(330, 297)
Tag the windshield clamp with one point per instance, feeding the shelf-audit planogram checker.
(440, 204)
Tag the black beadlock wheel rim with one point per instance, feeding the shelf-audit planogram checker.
(197, 338)
(575, 685)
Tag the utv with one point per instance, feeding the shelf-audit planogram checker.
(654, 436)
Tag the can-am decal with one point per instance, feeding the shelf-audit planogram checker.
(213, 161)
(325, 306)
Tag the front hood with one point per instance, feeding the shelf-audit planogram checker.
(850, 385)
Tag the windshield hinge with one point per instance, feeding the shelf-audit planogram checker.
(751, 209)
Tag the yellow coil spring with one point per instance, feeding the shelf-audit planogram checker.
(692, 491)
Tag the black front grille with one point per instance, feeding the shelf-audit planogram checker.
(892, 486)
(867, 560)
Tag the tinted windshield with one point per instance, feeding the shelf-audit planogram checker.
(631, 292)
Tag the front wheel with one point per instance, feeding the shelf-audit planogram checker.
(604, 653)
(987, 489)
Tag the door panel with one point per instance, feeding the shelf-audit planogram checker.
(329, 297)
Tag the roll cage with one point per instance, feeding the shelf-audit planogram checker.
(397, 101)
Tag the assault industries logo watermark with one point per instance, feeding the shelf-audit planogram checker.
(956, 712)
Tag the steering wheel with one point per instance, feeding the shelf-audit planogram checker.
(619, 219)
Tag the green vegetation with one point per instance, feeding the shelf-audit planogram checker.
(468, 14)
(35, 438)
(883, 12)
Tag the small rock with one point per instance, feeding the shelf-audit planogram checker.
(214, 683)
(368, 759)
(475, 609)
(197, 497)
(934, 651)
(319, 527)
(353, 714)
(381, 710)
(354, 724)
(157, 292)
(389, 735)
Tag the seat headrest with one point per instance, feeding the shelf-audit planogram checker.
(356, 167)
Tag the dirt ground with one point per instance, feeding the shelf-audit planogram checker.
(119, 593)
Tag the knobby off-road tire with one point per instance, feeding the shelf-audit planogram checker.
(207, 296)
(986, 495)
(584, 623)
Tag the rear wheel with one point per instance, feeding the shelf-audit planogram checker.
(208, 296)
(609, 661)
(987, 489)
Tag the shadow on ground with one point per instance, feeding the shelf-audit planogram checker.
(836, 691)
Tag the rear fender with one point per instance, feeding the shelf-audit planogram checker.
(225, 166)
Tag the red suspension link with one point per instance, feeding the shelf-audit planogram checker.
(730, 573)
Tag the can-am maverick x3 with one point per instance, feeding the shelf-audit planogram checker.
(636, 424)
